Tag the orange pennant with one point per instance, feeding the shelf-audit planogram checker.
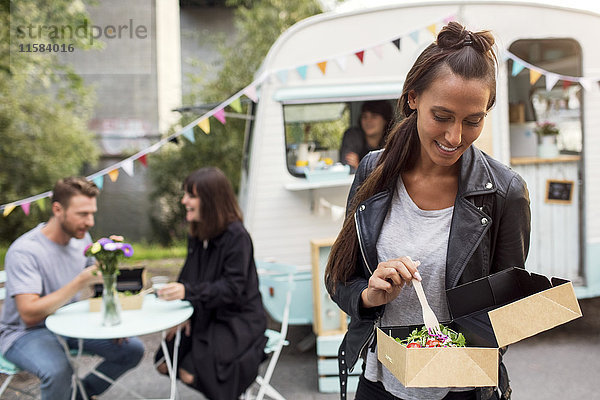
(114, 174)
(534, 76)
(322, 66)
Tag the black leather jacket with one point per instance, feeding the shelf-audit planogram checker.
(489, 232)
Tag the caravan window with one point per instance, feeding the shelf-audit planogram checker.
(561, 104)
(313, 133)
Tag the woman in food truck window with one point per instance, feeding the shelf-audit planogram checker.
(223, 342)
(430, 207)
(374, 123)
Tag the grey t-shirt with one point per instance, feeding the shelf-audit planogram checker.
(35, 264)
(422, 235)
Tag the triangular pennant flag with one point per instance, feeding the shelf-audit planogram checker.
(189, 134)
(360, 55)
(204, 125)
(322, 66)
(551, 80)
(220, 115)
(114, 175)
(174, 140)
(25, 207)
(236, 104)
(302, 71)
(282, 75)
(516, 68)
(341, 62)
(534, 76)
(397, 42)
(250, 92)
(566, 84)
(414, 35)
(127, 166)
(8, 209)
(378, 50)
(41, 203)
(99, 181)
(433, 29)
(144, 160)
(585, 83)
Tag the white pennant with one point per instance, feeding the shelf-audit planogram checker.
(127, 166)
(586, 83)
(341, 62)
(378, 50)
(551, 80)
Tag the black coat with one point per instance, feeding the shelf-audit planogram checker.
(229, 320)
(489, 232)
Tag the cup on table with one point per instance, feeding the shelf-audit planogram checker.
(158, 282)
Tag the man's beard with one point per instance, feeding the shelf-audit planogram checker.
(69, 230)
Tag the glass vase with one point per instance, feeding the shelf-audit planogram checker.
(111, 308)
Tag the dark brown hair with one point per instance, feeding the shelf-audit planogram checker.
(464, 53)
(66, 188)
(218, 205)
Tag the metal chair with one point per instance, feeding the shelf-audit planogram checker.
(9, 369)
(276, 284)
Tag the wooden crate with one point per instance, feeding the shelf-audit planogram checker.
(327, 365)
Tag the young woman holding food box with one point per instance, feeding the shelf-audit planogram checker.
(431, 207)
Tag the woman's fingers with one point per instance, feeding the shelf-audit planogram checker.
(403, 268)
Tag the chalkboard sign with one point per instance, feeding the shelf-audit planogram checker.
(558, 191)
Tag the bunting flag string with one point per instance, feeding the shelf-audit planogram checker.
(552, 78)
(251, 91)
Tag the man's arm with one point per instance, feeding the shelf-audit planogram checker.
(33, 309)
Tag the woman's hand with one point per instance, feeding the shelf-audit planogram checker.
(388, 279)
(172, 291)
(186, 327)
(352, 159)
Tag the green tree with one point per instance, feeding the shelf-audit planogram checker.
(258, 24)
(44, 108)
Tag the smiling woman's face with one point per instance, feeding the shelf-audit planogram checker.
(191, 203)
(450, 116)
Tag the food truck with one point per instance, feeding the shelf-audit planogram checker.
(317, 74)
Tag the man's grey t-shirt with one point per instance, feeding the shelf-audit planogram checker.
(422, 235)
(35, 264)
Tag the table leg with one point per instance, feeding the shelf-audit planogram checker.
(172, 365)
(75, 381)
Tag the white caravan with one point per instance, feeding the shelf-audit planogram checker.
(320, 70)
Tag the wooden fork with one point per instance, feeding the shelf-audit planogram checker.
(431, 321)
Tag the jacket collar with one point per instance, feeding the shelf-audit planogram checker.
(469, 223)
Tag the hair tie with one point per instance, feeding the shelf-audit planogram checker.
(468, 41)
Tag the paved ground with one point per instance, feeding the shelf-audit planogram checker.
(561, 364)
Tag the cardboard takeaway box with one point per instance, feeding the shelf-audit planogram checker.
(491, 312)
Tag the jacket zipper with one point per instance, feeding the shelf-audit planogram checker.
(360, 244)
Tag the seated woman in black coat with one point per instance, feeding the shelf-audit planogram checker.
(222, 345)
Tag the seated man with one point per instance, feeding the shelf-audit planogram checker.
(46, 268)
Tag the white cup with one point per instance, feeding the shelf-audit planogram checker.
(159, 282)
